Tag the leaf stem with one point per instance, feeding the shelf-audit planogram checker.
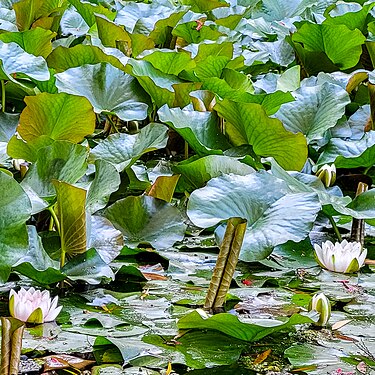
(2, 96)
(112, 123)
(335, 228)
(58, 228)
(55, 218)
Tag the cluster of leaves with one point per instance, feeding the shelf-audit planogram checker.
(88, 87)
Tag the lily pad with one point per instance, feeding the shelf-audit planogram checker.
(62, 160)
(104, 238)
(199, 129)
(249, 124)
(63, 58)
(15, 60)
(49, 117)
(274, 215)
(35, 41)
(159, 85)
(108, 89)
(196, 172)
(15, 209)
(315, 110)
(314, 41)
(36, 264)
(230, 325)
(89, 267)
(350, 154)
(147, 220)
(106, 181)
(122, 150)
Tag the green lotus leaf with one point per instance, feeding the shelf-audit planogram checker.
(73, 23)
(49, 117)
(362, 207)
(104, 238)
(159, 85)
(8, 125)
(7, 19)
(89, 267)
(274, 215)
(106, 181)
(63, 58)
(70, 211)
(30, 12)
(122, 150)
(36, 41)
(326, 39)
(108, 89)
(274, 10)
(315, 110)
(147, 220)
(88, 10)
(15, 210)
(192, 33)
(62, 161)
(195, 173)
(155, 20)
(270, 102)
(170, 62)
(278, 52)
(204, 6)
(287, 81)
(110, 33)
(353, 15)
(15, 60)
(197, 348)
(350, 153)
(199, 129)
(37, 264)
(230, 325)
(249, 124)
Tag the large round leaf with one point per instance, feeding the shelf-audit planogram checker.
(106, 181)
(194, 174)
(48, 117)
(104, 238)
(338, 44)
(159, 85)
(15, 60)
(315, 110)
(350, 154)
(199, 129)
(145, 219)
(35, 41)
(63, 58)
(122, 149)
(274, 215)
(63, 161)
(15, 209)
(250, 124)
(107, 88)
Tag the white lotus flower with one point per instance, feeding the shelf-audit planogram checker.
(33, 306)
(327, 174)
(344, 257)
(320, 304)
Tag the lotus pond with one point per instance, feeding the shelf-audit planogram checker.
(139, 138)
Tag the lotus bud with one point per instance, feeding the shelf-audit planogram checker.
(33, 306)
(320, 304)
(327, 174)
(344, 257)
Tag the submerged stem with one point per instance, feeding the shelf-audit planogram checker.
(335, 228)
